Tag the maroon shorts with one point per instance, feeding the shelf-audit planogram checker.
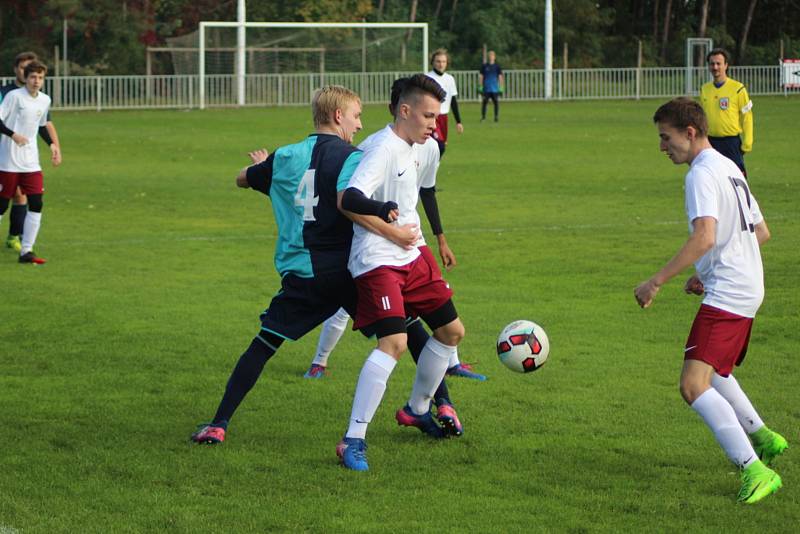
(30, 183)
(441, 128)
(409, 291)
(718, 338)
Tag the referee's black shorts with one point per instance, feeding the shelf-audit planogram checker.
(731, 148)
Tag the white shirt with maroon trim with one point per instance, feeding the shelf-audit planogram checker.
(731, 271)
(23, 114)
(390, 169)
(448, 83)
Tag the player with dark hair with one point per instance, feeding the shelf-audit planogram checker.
(394, 281)
(439, 61)
(729, 110)
(22, 112)
(491, 82)
(727, 231)
(48, 133)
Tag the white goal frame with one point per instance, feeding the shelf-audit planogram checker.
(242, 26)
(692, 43)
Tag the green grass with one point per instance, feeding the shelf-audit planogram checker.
(158, 268)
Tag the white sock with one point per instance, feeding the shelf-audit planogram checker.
(369, 392)
(30, 230)
(733, 393)
(432, 364)
(332, 331)
(721, 419)
(453, 359)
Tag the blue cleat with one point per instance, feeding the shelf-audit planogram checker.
(353, 453)
(425, 422)
(315, 371)
(464, 370)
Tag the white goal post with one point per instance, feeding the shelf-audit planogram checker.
(240, 64)
(696, 48)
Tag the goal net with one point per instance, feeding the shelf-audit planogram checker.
(283, 63)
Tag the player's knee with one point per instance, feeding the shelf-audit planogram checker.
(691, 388)
(35, 203)
(450, 334)
(19, 197)
(394, 345)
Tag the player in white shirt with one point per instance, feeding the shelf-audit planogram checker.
(727, 230)
(393, 280)
(439, 62)
(333, 329)
(22, 112)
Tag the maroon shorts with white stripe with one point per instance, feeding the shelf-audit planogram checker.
(408, 291)
(30, 183)
(718, 338)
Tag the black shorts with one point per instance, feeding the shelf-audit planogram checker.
(304, 303)
(731, 148)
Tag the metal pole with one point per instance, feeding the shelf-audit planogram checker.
(64, 38)
(201, 67)
(425, 48)
(240, 45)
(548, 49)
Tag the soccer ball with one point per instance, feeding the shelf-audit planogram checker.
(523, 346)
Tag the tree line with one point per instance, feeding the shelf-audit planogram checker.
(111, 36)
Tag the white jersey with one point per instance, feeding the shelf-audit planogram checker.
(390, 169)
(731, 271)
(23, 114)
(448, 83)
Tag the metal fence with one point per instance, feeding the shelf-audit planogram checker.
(182, 91)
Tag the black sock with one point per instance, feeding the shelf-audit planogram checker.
(17, 221)
(243, 378)
(417, 338)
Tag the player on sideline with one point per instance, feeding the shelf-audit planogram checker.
(313, 239)
(727, 230)
(333, 329)
(22, 112)
(48, 133)
(490, 82)
(391, 279)
(729, 111)
(439, 62)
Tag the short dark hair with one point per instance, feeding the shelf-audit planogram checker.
(415, 86)
(35, 66)
(25, 56)
(681, 113)
(719, 52)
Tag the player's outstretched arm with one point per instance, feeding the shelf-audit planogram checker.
(700, 242)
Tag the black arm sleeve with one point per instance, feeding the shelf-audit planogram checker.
(5, 129)
(356, 201)
(45, 135)
(428, 197)
(454, 107)
(259, 176)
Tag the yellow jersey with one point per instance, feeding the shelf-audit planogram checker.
(729, 111)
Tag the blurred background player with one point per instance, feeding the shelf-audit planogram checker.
(439, 62)
(727, 231)
(333, 329)
(394, 281)
(22, 112)
(48, 134)
(491, 83)
(729, 111)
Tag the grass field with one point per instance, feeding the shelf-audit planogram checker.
(158, 268)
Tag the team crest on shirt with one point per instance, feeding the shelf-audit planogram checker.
(724, 103)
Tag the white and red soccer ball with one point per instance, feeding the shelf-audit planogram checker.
(523, 346)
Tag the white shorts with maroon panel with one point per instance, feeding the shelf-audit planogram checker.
(412, 290)
(718, 338)
(30, 183)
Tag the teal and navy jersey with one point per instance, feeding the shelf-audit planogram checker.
(491, 77)
(301, 179)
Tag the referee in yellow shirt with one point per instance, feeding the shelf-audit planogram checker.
(729, 111)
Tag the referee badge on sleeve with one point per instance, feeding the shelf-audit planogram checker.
(724, 103)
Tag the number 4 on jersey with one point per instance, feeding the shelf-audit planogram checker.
(305, 195)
